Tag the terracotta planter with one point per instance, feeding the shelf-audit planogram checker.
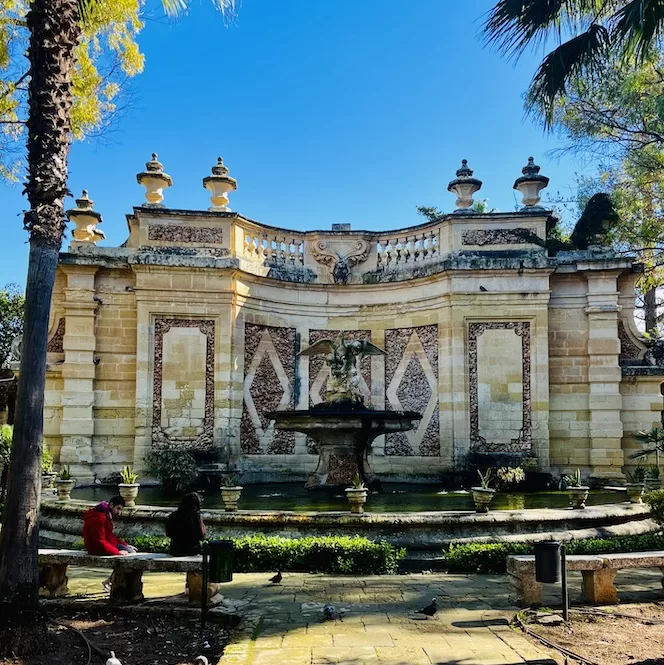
(482, 496)
(357, 497)
(578, 496)
(64, 488)
(129, 492)
(230, 496)
(635, 492)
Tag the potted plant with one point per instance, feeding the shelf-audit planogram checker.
(653, 480)
(48, 475)
(65, 483)
(635, 484)
(128, 488)
(578, 493)
(483, 495)
(230, 492)
(357, 495)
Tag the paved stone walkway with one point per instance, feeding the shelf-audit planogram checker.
(284, 624)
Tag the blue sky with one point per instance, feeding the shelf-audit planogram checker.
(325, 111)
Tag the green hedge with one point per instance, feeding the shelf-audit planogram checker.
(492, 557)
(327, 554)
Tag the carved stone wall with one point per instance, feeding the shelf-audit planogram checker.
(269, 385)
(185, 419)
(177, 233)
(628, 350)
(411, 384)
(502, 396)
(481, 237)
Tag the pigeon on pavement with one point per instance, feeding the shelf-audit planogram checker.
(276, 579)
(430, 610)
(330, 613)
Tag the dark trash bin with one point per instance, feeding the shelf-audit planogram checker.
(547, 562)
(220, 560)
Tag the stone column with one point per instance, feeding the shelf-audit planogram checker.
(604, 375)
(78, 371)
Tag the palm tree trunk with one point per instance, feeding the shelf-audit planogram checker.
(650, 308)
(54, 32)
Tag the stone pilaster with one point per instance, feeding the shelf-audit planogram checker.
(604, 376)
(78, 371)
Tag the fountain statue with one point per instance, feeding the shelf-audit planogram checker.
(343, 425)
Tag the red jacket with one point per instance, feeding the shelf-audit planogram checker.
(98, 531)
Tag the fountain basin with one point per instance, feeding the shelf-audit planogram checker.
(344, 436)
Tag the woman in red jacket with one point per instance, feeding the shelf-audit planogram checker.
(98, 531)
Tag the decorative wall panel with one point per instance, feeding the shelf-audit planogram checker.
(500, 386)
(411, 384)
(178, 233)
(183, 383)
(55, 343)
(269, 385)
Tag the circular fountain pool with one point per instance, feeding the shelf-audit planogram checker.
(421, 518)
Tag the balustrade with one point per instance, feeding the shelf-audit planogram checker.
(402, 250)
(272, 248)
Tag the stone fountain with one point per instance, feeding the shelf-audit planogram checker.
(344, 426)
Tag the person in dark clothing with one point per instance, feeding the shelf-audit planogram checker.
(185, 527)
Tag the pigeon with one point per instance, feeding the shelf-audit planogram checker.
(201, 660)
(276, 579)
(113, 660)
(483, 288)
(430, 610)
(330, 613)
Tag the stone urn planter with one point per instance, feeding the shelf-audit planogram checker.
(482, 496)
(578, 496)
(635, 492)
(230, 496)
(357, 497)
(64, 488)
(48, 479)
(129, 492)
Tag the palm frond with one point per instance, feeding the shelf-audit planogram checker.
(581, 55)
(177, 7)
(86, 8)
(514, 24)
(639, 27)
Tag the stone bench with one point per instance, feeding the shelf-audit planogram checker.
(126, 582)
(598, 572)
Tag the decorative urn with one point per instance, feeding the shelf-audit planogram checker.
(578, 495)
(230, 496)
(86, 220)
(129, 492)
(155, 181)
(64, 488)
(635, 492)
(357, 497)
(530, 184)
(219, 184)
(482, 496)
(464, 186)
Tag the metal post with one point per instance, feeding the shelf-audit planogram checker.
(563, 559)
(204, 586)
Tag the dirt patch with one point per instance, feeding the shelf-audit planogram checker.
(136, 640)
(612, 640)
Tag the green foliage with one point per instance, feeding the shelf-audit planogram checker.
(357, 482)
(599, 218)
(638, 475)
(486, 478)
(347, 555)
(492, 557)
(430, 212)
(652, 442)
(47, 461)
(65, 473)
(12, 305)
(573, 480)
(6, 434)
(230, 480)
(128, 476)
(656, 502)
(507, 477)
(175, 468)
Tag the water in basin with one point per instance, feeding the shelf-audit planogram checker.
(395, 497)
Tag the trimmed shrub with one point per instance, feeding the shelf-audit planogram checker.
(492, 557)
(656, 502)
(328, 554)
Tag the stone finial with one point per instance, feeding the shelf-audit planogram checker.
(86, 220)
(219, 184)
(155, 181)
(530, 184)
(464, 186)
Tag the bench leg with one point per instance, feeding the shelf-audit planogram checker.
(127, 587)
(53, 577)
(526, 590)
(598, 586)
(195, 587)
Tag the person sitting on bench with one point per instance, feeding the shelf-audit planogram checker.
(185, 527)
